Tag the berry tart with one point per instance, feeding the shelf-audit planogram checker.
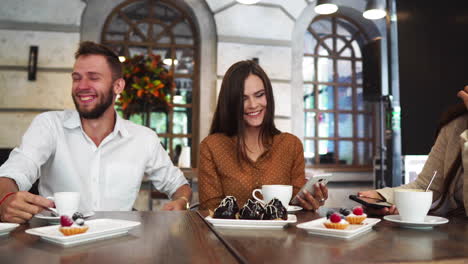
(335, 221)
(357, 216)
(72, 226)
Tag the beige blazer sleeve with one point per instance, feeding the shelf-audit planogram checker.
(441, 157)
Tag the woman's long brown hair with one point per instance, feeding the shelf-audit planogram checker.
(451, 114)
(229, 115)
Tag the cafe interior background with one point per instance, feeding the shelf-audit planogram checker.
(362, 94)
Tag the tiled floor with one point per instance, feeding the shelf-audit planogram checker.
(337, 198)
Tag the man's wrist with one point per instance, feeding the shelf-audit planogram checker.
(186, 200)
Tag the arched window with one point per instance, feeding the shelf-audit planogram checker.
(339, 126)
(141, 27)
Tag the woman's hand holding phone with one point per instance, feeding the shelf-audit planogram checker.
(372, 211)
(310, 201)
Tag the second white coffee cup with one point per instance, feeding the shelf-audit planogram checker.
(269, 192)
(412, 204)
(66, 203)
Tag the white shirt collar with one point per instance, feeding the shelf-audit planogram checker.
(72, 120)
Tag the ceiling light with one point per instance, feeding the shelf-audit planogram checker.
(325, 7)
(248, 2)
(375, 9)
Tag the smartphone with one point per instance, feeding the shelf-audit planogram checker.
(309, 186)
(370, 202)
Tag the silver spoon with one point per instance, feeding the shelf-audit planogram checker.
(433, 176)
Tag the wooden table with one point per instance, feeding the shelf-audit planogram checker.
(387, 243)
(183, 237)
(162, 237)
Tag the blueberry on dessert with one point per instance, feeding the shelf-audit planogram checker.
(227, 209)
(345, 211)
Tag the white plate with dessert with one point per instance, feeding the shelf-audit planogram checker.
(97, 229)
(251, 224)
(5, 228)
(317, 227)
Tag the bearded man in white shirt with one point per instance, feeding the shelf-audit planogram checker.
(91, 150)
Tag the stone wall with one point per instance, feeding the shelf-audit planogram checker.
(53, 26)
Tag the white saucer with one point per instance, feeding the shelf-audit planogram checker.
(294, 208)
(55, 219)
(429, 221)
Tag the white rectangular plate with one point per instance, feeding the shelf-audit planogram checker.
(98, 229)
(251, 224)
(316, 227)
(5, 228)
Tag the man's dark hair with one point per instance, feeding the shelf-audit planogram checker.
(92, 48)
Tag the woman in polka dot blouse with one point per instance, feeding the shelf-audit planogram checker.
(245, 150)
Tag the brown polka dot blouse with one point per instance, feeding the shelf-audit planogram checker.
(221, 175)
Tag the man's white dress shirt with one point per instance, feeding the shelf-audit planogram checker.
(56, 149)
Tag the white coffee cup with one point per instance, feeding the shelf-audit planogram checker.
(66, 203)
(412, 204)
(269, 192)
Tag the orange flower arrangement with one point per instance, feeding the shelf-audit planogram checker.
(147, 85)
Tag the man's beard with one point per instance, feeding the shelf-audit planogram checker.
(100, 108)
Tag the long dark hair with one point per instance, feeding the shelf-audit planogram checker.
(229, 115)
(451, 114)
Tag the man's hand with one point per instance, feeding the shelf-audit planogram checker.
(22, 206)
(178, 204)
(313, 202)
(384, 211)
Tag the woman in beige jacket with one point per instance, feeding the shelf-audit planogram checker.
(449, 157)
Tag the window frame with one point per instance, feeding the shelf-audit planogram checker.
(333, 55)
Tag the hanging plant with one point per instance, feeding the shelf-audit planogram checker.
(147, 85)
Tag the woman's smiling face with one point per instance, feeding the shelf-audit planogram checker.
(255, 101)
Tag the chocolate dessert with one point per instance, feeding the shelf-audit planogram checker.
(252, 210)
(227, 209)
(275, 211)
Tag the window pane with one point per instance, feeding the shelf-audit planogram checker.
(360, 98)
(325, 70)
(183, 33)
(326, 125)
(137, 119)
(346, 53)
(364, 153)
(344, 71)
(164, 142)
(180, 120)
(357, 49)
(364, 126)
(339, 44)
(328, 43)
(345, 98)
(308, 68)
(183, 92)
(325, 97)
(309, 152)
(346, 152)
(158, 122)
(326, 151)
(309, 96)
(184, 59)
(345, 126)
(358, 72)
(310, 124)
